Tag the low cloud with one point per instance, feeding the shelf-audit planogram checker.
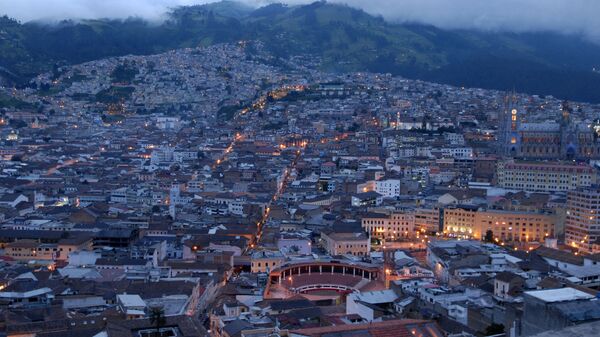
(563, 16)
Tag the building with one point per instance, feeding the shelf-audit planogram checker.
(371, 305)
(563, 139)
(265, 261)
(293, 245)
(445, 257)
(366, 199)
(582, 269)
(471, 222)
(395, 327)
(131, 305)
(582, 223)
(427, 220)
(554, 309)
(357, 244)
(388, 188)
(544, 177)
(395, 225)
(26, 250)
(508, 285)
(460, 221)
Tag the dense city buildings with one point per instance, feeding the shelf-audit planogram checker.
(565, 138)
(227, 191)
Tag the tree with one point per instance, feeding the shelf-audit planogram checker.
(157, 318)
(489, 236)
(494, 329)
(17, 123)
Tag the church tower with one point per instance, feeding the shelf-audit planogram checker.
(508, 135)
(569, 140)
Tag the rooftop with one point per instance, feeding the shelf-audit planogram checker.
(559, 295)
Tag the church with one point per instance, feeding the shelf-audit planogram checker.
(563, 139)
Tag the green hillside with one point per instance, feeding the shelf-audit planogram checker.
(346, 39)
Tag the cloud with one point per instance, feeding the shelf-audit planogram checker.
(28, 10)
(563, 16)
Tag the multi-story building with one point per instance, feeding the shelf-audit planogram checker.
(395, 225)
(460, 221)
(515, 225)
(357, 244)
(427, 219)
(544, 177)
(582, 224)
(462, 152)
(388, 188)
(470, 222)
(26, 250)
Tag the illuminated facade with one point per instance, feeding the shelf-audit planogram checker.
(563, 139)
(582, 224)
(391, 226)
(468, 223)
(544, 177)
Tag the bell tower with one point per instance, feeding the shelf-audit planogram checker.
(509, 127)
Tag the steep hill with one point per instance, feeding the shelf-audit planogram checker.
(345, 38)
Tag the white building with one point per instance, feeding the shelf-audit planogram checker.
(370, 305)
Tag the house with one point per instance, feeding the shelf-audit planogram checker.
(366, 199)
(13, 199)
(131, 305)
(508, 285)
(463, 197)
(372, 305)
(265, 261)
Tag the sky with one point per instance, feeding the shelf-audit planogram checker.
(563, 16)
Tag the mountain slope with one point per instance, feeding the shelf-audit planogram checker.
(346, 39)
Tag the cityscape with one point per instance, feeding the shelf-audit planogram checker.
(226, 190)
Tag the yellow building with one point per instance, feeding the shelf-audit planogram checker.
(544, 177)
(469, 222)
(390, 227)
(460, 221)
(265, 261)
(427, 219)
(26, 250)
(357, 244)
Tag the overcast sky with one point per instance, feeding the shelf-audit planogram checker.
(568, 16)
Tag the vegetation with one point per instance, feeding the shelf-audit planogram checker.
(124, 73)
(489, 236)
(114, 94)
(494, 329)
(227, 112)
(344, 38)
(11, 102)
(274, 126)
(157, 318)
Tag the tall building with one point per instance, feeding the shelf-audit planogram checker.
(562, 139)
(582, 224)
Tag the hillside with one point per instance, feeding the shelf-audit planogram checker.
(346, 39)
